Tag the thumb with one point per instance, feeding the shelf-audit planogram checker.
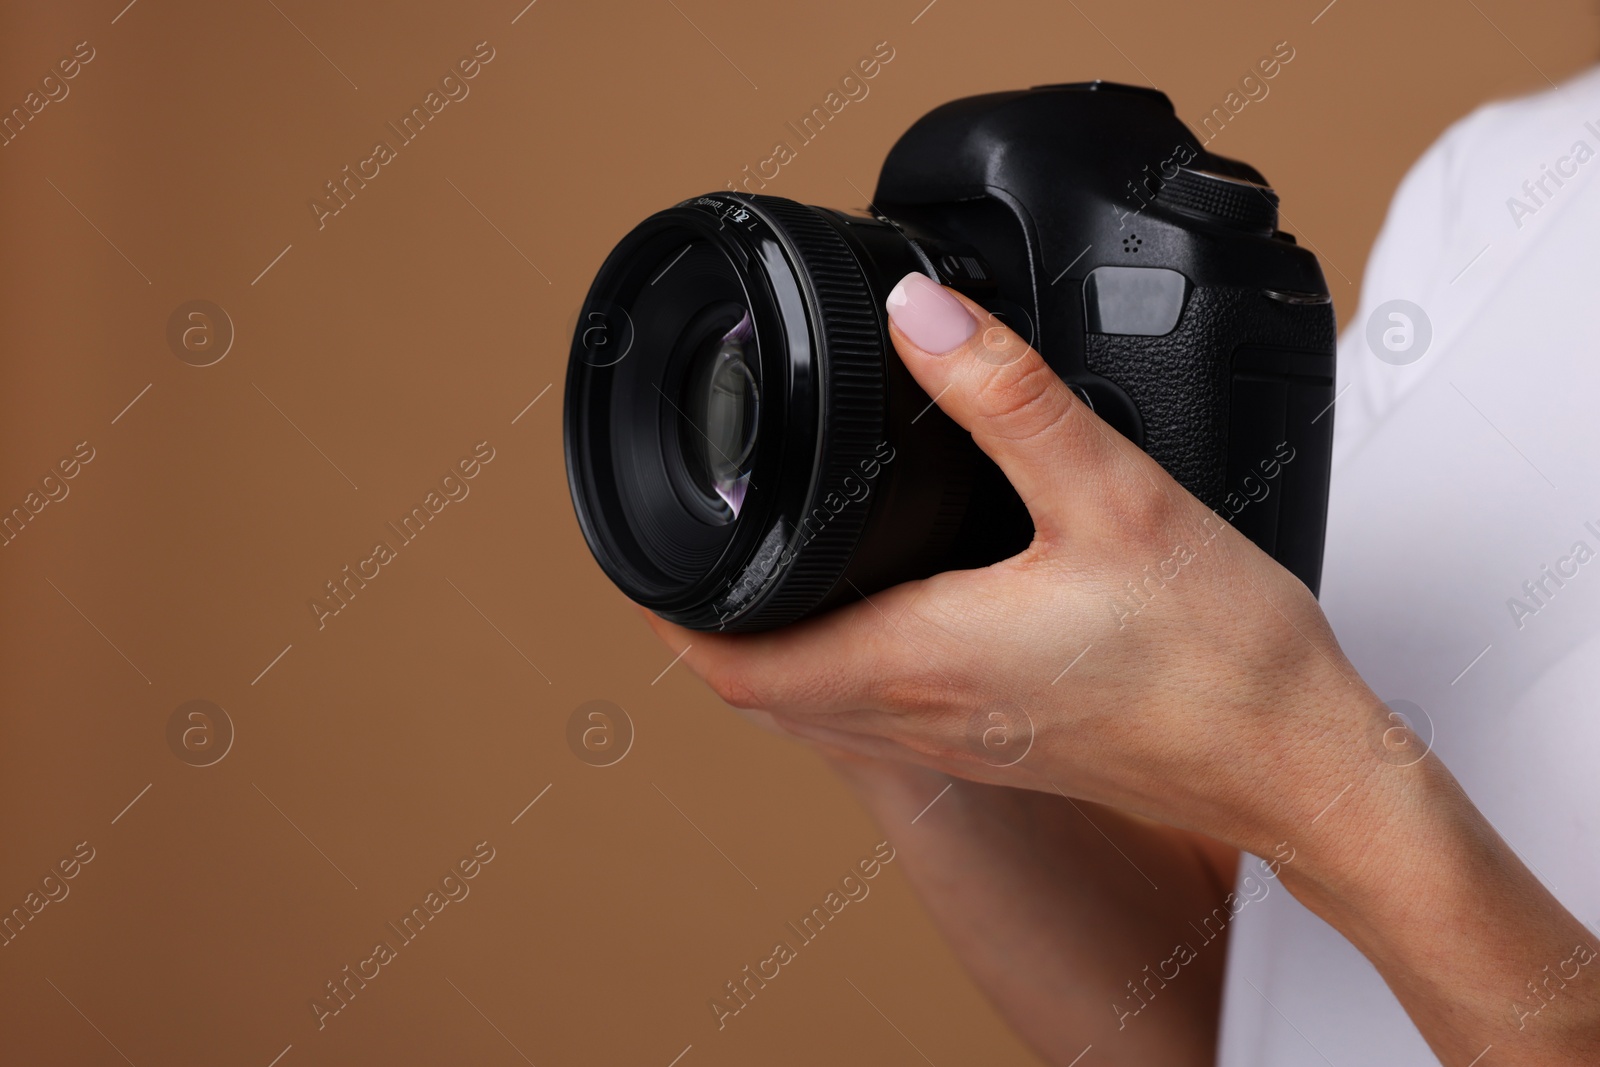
(1054, 450)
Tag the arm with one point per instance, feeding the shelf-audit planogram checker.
(1054, 915)
(1484, 960)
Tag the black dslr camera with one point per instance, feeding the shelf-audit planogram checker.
(745, 448)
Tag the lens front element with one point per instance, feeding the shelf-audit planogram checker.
(721, 408)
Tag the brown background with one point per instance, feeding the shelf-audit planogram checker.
(376, 752)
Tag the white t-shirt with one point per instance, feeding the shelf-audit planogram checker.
(1457, 478)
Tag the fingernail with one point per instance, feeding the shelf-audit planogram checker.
(934, 320)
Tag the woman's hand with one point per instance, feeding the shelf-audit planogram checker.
(1143, 655)
(1140, 653)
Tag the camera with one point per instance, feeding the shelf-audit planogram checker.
(745, 449)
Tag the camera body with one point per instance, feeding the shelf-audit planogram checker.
(1149, 273)
(1151, 276)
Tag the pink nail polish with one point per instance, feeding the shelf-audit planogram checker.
(935, 321)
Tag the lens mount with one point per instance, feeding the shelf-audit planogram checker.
(727, 378)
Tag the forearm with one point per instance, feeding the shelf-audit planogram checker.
(1059, 918)
(1473, 945)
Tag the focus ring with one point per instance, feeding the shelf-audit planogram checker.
(850, 355)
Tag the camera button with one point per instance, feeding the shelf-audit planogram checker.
(1134, 301)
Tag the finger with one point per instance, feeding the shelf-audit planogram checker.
(850, 748)
(1058, 455)
(835, 662)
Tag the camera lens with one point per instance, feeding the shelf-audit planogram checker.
(743, 446)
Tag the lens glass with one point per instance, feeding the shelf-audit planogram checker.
(719, 410)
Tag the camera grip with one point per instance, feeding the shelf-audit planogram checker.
(1249, 434)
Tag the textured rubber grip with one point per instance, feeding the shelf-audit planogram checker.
(1207, 418)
